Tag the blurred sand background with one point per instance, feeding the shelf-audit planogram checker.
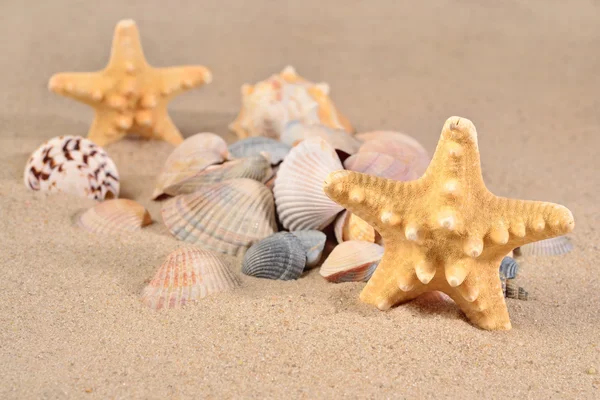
(527, 73)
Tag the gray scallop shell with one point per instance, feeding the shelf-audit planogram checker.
(314, 243)
(279, 256)
(508, 268)
(254, 146)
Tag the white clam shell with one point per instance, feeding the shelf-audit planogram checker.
(352, 261)
(254, 146)
(114, 216)
(301, 202)
(314, 244)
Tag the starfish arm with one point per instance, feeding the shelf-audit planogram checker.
(176, 80)
(87, 87)
(126, 52)
(380, 202)
(165, 129)
(103, 130)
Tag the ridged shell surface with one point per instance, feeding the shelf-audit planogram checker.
(115, 216)
(188, 275)
(301, 202)
(314, 243)
(255, 167)
(352, 261)
(75, 165)
(255, 146)
(279, 256)
(382, 165)
(227, 217)
(508, 268)
(296, 131)
(548, 247)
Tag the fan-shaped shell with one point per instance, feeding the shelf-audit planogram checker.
(382, 165)
(279, 256)
(352, 261)
(256, 168)
(301, 202)
(114, 216)
(75, 165)
(547, 247)
(188, 275)
(398, 145)
(268, 105)
(227, 217)
(349, 226)
(508, 268)
(295, 131)
(254, 146)
(314, 243)
(192, 156)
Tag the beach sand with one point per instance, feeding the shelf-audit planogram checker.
(526, 73)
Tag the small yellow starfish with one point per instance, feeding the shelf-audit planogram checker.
(129, 95)
(446, 231)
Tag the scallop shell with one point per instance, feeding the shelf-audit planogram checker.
(227, 217)
(547, 247)
(256, 168)
(192, 156)
(508, 268)
(270, 104)
(295, 131)
(352, 261)
(382, 165)
(115, 216)
(87, 168)
(279, 256)
(313, 243)
(254, 146)
(349, 226)
(301, 202)
(188, 275)
(398, 145)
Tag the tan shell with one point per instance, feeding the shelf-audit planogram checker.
(192, 156)
(382, 165)
(301, 202)
(295, 131)
(227, 217)
(115, 216)
(349, 226)
(188, 275)
(352, 261)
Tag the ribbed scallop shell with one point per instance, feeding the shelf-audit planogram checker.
(193, 155)
(382, 165)
(254, 146)
(295, 131)
(547, 247)
(188, 275)
(114, 216)
(301, 202)
(508, 268)
(75, 165)
(352, 261)
(279, 256)
(313, 243)
(227, 217)
(349, 226)
(398, 145)
(256, 168)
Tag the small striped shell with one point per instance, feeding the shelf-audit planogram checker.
(301, 202)
(547, 247)
(349, 226)
(256, 168)
(75, 165)
(514, 291)
(192, 156)
(254, 146)
(114, 216)
(313, 243)
(398, 145)
(352, 261)
(188, 275)
(279, 256)
(382, 165)
(508, 268)
(227, 217)
(296, 131)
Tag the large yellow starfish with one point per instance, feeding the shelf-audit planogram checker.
(446, 231)
(129, 95)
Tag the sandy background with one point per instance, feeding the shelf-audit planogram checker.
(525, 72)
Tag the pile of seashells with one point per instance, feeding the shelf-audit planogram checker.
(259, 199)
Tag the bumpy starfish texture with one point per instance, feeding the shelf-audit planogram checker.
(128, 95)
(446, 231)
